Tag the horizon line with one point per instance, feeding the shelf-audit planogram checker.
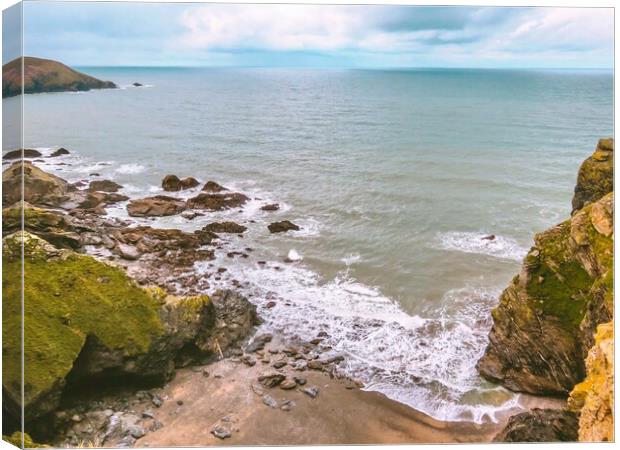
(176, 66)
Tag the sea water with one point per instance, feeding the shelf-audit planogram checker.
(395, 177)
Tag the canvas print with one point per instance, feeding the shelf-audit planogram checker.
(296, 224)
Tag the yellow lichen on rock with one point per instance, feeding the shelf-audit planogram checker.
(594, 397)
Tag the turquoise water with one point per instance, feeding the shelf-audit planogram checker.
(394, 177)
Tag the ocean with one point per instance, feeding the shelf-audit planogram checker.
(394, 176)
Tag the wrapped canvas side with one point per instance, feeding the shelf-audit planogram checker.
(13, 225)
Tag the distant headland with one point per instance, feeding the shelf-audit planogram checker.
(46, 75)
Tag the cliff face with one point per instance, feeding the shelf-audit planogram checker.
(45, 75)
(547, 319)
(593, 398)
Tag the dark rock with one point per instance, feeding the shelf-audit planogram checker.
(300, 381)
(159, 205)
(271, 379)
(39, 188)
(173, 183)
(271, 207)
(180, 402)
(248, 360)
(279, 364)
(157, 401)
(225, 227)
(217, 202)
(27, 153)
(490, 237)
(540, 425)
(311, 391)
(104, 186)
(60, 152)
(258, 343)
(191, 215)
(283, 226)
(136, 84)
(212, 186)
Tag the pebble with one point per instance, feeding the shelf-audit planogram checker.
(157, 400)
(311, 391)
(248, 360)
(136, 431)
(271, 379)
(279, 364)
(300, 381)
(148, 414)
(220, 432)
(287, 405)
(288, 384)
(180, 402)
(270, 401)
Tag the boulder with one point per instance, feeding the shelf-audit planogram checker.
(40, 188)
(104, 186)
(270, 207)
(225, 227)
(596, 175)
(19, 153)
(91, 200)
(96, 324)
(217, 202)
(283, 226)
(172, 183)
(159, 205)
(540, 425)
(593, 398)
(60, 152)
(136, 84)
(212, 186)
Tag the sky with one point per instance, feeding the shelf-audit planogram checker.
(139, 34)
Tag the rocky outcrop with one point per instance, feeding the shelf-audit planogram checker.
(593, 398)
(60, 152)
(172, 183)
(282, 227)
(159, 205)
(596, 175)
(217, 202)
(540, 425)
(104, 186)
(212, 186)
(225, 227)
(40, 188)
(22, 153)
(45, 75)
(546, 319)
(87, 322)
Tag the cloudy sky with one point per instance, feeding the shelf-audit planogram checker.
(84, 34)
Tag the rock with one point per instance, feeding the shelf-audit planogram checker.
(157, 401)
(596, 175)
(593, 398)
(283, 226)
(546, 319)
(191, 215)
(271, 379)
(248, 360)
(159, 205)
(258, 343)
(270, 207)
(174, 183)
(19, 153)
(148, 414)
(540, 425)
(311, 391)
(217, 202)
(212, 186)
(288, 384)
(270, 401)
(220, 432)
(136, 84)
(93, 200)
(270, 304)
(40, 188)
(180, 402)
(136, 431)
(490, 237)
(127, 251)
(287, 405)
(60, 152)
(279, 364)
(104, 186)
(300, 381)
(225, 227)
(316, 365)
(137, 334)
(45, 75)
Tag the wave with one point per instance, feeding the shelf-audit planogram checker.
(425, 362)
(471, 242)
(130, 169)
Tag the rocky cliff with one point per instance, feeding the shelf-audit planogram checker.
(45, 75)
(546, 320)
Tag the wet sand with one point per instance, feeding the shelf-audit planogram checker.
(232, 398)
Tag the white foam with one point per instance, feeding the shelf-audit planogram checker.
(293, 255)
(351, 259)
(130, 169)
(471, 242)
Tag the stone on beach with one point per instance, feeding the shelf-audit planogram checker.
(217, 202)
(159, 205)
(172, 183)
(225, 227)
(212, 186)
(283, 226)
(104, 186)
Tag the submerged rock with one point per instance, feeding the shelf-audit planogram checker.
(60, 152)
(540, 425)
(212, 186)
(270, 207)
(159, 205)
(596, 175)
(283, 226)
